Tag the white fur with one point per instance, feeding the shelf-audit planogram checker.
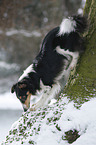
(75, 56)
(63, 72)
(25, 73)
(42, 89)
(67, 26)
(47, 94)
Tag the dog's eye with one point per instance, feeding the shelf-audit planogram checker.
(20, 97)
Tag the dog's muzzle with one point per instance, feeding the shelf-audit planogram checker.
(25, 108)
(26, 104)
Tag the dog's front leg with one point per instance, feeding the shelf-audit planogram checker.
(43, 100)
(47, 95)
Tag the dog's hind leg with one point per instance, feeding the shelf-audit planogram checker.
(47, 95)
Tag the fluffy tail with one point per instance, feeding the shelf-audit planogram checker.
(81, 23)
(75, 23)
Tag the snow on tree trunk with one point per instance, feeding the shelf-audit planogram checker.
(83, 84)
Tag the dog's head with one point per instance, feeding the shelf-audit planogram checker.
(23, 93)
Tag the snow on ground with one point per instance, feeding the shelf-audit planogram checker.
(48, 126)
(7, 118)
(10, 111)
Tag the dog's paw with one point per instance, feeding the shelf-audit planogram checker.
(34, 107)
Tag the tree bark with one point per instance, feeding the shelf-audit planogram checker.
(84, 85)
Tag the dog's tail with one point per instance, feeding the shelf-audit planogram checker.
(75, 23)
(81, 23)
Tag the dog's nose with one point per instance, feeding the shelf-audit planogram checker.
(25, 108)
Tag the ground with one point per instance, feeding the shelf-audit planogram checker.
(59, 124)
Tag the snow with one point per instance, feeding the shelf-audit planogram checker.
(9, 101)
(9, 66)
(83, 3)
(25, 33)
(68, 118)
(80, 11)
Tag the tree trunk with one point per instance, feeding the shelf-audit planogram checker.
(84, 85)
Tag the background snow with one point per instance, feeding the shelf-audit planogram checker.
(9, 101)
(10, 111)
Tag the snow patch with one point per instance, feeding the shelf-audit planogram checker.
(58, 118)
(8, 66)
(23, 32)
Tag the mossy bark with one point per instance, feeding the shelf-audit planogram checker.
(84, 85)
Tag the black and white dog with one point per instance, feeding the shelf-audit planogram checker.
(59, 54)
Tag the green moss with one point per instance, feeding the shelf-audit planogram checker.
(22, 142)
(58, 128)
(10, 132)
(29, 124)
(83, 85)
(31, 142)
(71, 136)
(14, 131)
(17, 139)
(87, 7)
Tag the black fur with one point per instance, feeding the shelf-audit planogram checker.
(81, 23)
(48, 64)
(28, 84)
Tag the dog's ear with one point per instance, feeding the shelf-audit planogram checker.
(13, 88)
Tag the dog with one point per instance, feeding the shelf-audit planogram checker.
(58, 55)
